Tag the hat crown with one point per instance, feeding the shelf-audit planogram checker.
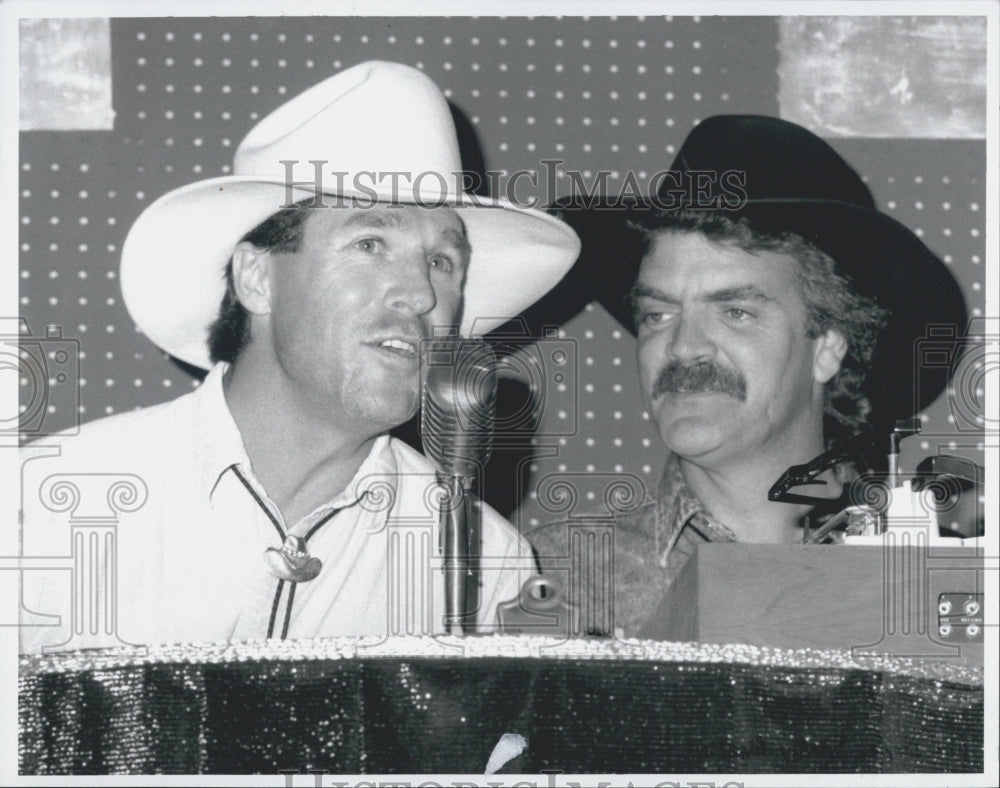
(780, 161)
(376, 117)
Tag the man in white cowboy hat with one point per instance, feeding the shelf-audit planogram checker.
(772, 320)
(271, 502)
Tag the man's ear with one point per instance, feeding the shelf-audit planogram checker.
(828, 353)
(251, 279)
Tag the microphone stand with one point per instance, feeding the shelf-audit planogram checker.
(460, 526)
(458, 404)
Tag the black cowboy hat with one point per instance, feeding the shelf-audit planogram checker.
(783, 178)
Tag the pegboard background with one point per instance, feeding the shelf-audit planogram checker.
(598, 93)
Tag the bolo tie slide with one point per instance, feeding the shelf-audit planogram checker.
(291, 561)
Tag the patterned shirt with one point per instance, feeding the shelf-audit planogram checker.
(617, 568)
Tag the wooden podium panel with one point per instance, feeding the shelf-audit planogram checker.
(871, 599)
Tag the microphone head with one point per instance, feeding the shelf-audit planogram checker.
(458, 404)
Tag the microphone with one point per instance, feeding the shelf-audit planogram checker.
(459, 405)
(457, 411)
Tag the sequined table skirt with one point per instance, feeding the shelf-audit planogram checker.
(430, 706)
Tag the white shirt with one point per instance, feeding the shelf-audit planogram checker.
(160, 485)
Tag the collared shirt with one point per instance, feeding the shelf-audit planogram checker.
(139, 530)
(616, 568)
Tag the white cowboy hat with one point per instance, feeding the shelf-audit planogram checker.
(374, 119)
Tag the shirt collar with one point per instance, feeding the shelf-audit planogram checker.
(677, 506)
(374, 479)
(219, 446)
(373, 486)
(218, 443)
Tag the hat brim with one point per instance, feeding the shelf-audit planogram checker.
(884, 259)
(174, 259)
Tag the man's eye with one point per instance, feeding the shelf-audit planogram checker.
(736, 313)
(442, 263)
(652, 318)
(369, 245)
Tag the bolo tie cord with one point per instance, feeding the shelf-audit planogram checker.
(281, 533)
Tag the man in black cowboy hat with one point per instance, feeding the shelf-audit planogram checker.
(772, 320)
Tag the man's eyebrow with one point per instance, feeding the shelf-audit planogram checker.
(640, 290)
(362, 217)
(739, 293)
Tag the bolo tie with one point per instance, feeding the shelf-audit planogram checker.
(291, 562)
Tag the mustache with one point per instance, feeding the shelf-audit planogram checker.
(677, 378)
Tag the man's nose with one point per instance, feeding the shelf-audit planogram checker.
(411, 290)
(690, 341)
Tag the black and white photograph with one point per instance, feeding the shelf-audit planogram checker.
(535, 394)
